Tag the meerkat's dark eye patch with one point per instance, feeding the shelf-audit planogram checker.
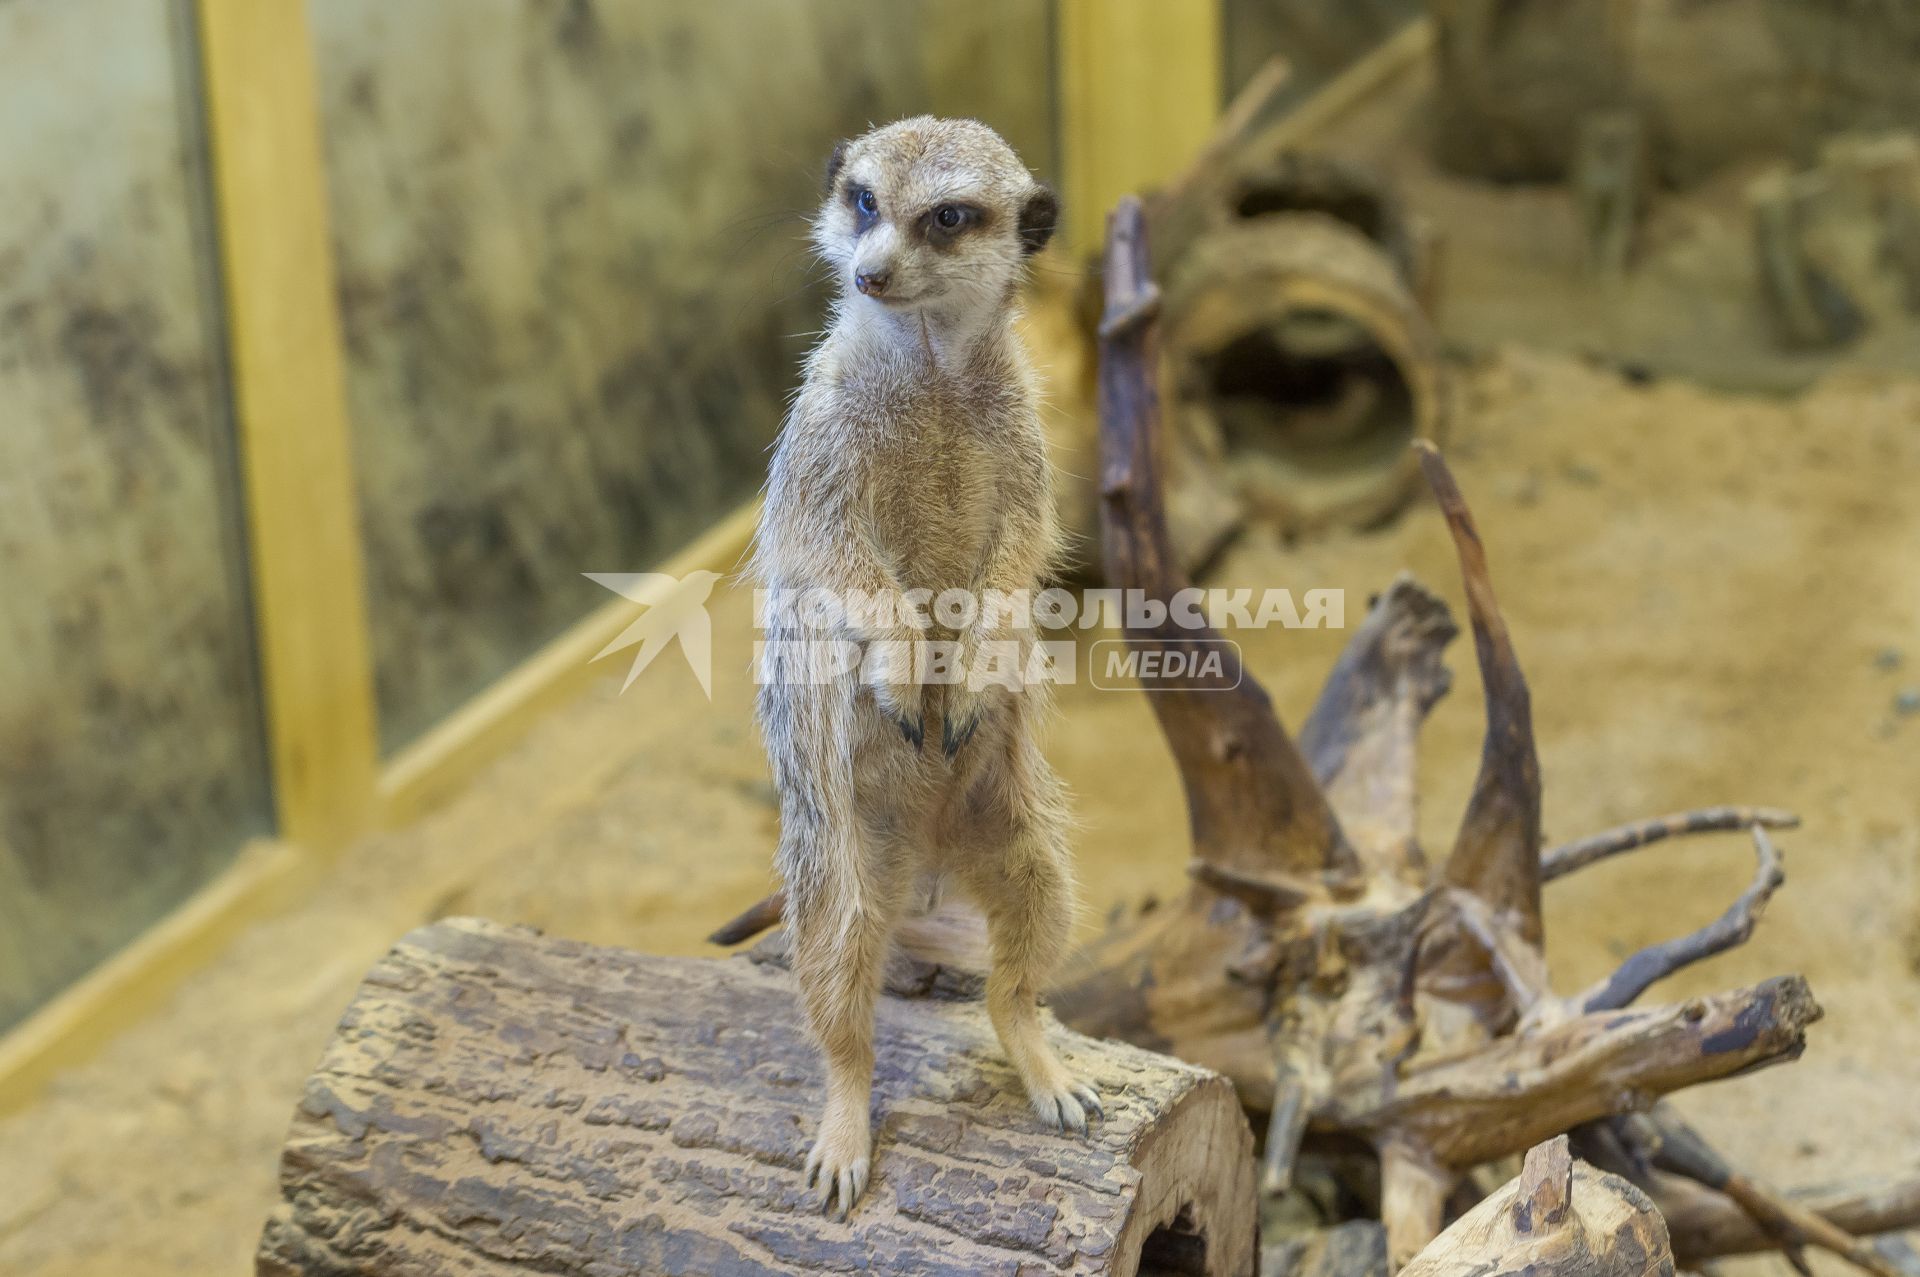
(1037, 218)
(866, 208)
(944, 223)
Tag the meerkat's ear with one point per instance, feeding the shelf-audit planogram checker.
(834, 163)
(1037, 218)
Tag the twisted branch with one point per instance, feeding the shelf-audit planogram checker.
(1564, 859)
(1734, 927)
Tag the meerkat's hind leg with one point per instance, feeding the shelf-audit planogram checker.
(839, 953)
(1023, 886)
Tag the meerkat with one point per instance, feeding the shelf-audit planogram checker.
(913, 459)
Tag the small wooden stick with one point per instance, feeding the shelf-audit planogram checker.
(1673, 1146)
(1285, 1129)
(1267, 894)
(758, 918)
(1564, 859)
(1707, 1225)
(1734, 927)
(1520, 967)
(1413, 1198)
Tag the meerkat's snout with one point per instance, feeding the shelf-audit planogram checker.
(872, 283)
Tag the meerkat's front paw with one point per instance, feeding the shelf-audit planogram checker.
(905, 708)
(838, 1162)
(955, 734)
(913, 729)
(1067, 1105)
(897, 689)
(962, 712)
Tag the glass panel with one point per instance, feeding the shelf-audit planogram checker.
(575, 280)
(131, 757)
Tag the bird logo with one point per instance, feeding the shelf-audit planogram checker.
(676, 607)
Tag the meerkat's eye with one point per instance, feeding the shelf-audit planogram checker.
(944, 223)
(865, 202)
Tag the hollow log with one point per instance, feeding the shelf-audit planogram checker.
(1301, 367)
(497, 1102)
(1302, 361)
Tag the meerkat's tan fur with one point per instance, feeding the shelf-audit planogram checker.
(913, 458)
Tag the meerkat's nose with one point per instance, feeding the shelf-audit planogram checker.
(872, 283)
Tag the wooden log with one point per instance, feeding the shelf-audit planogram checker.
(1300, 367)
(1302, 361)
(1558, 1216)
(498, 1102)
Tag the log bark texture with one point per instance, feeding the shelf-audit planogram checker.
(498, 1102)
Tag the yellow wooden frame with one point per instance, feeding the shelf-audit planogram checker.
(289, 388)
(1140, 91)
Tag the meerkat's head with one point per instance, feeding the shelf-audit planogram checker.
(931, 216)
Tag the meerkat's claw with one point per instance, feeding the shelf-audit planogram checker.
(914, 729)
(813, 1164)
(835, 1174)
(952, 738)
(1068, 1108)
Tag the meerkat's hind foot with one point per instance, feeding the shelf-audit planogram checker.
(1067, 1105)
(837, 1177)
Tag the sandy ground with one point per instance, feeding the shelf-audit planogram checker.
(1717, 600)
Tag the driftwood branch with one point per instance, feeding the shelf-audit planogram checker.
(1354, 993)
(1520, 1089)
(1496, 856)
(1251, 799)
(1363, 735)
(1734, 927)
(499, 1103)
(1564, 859)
